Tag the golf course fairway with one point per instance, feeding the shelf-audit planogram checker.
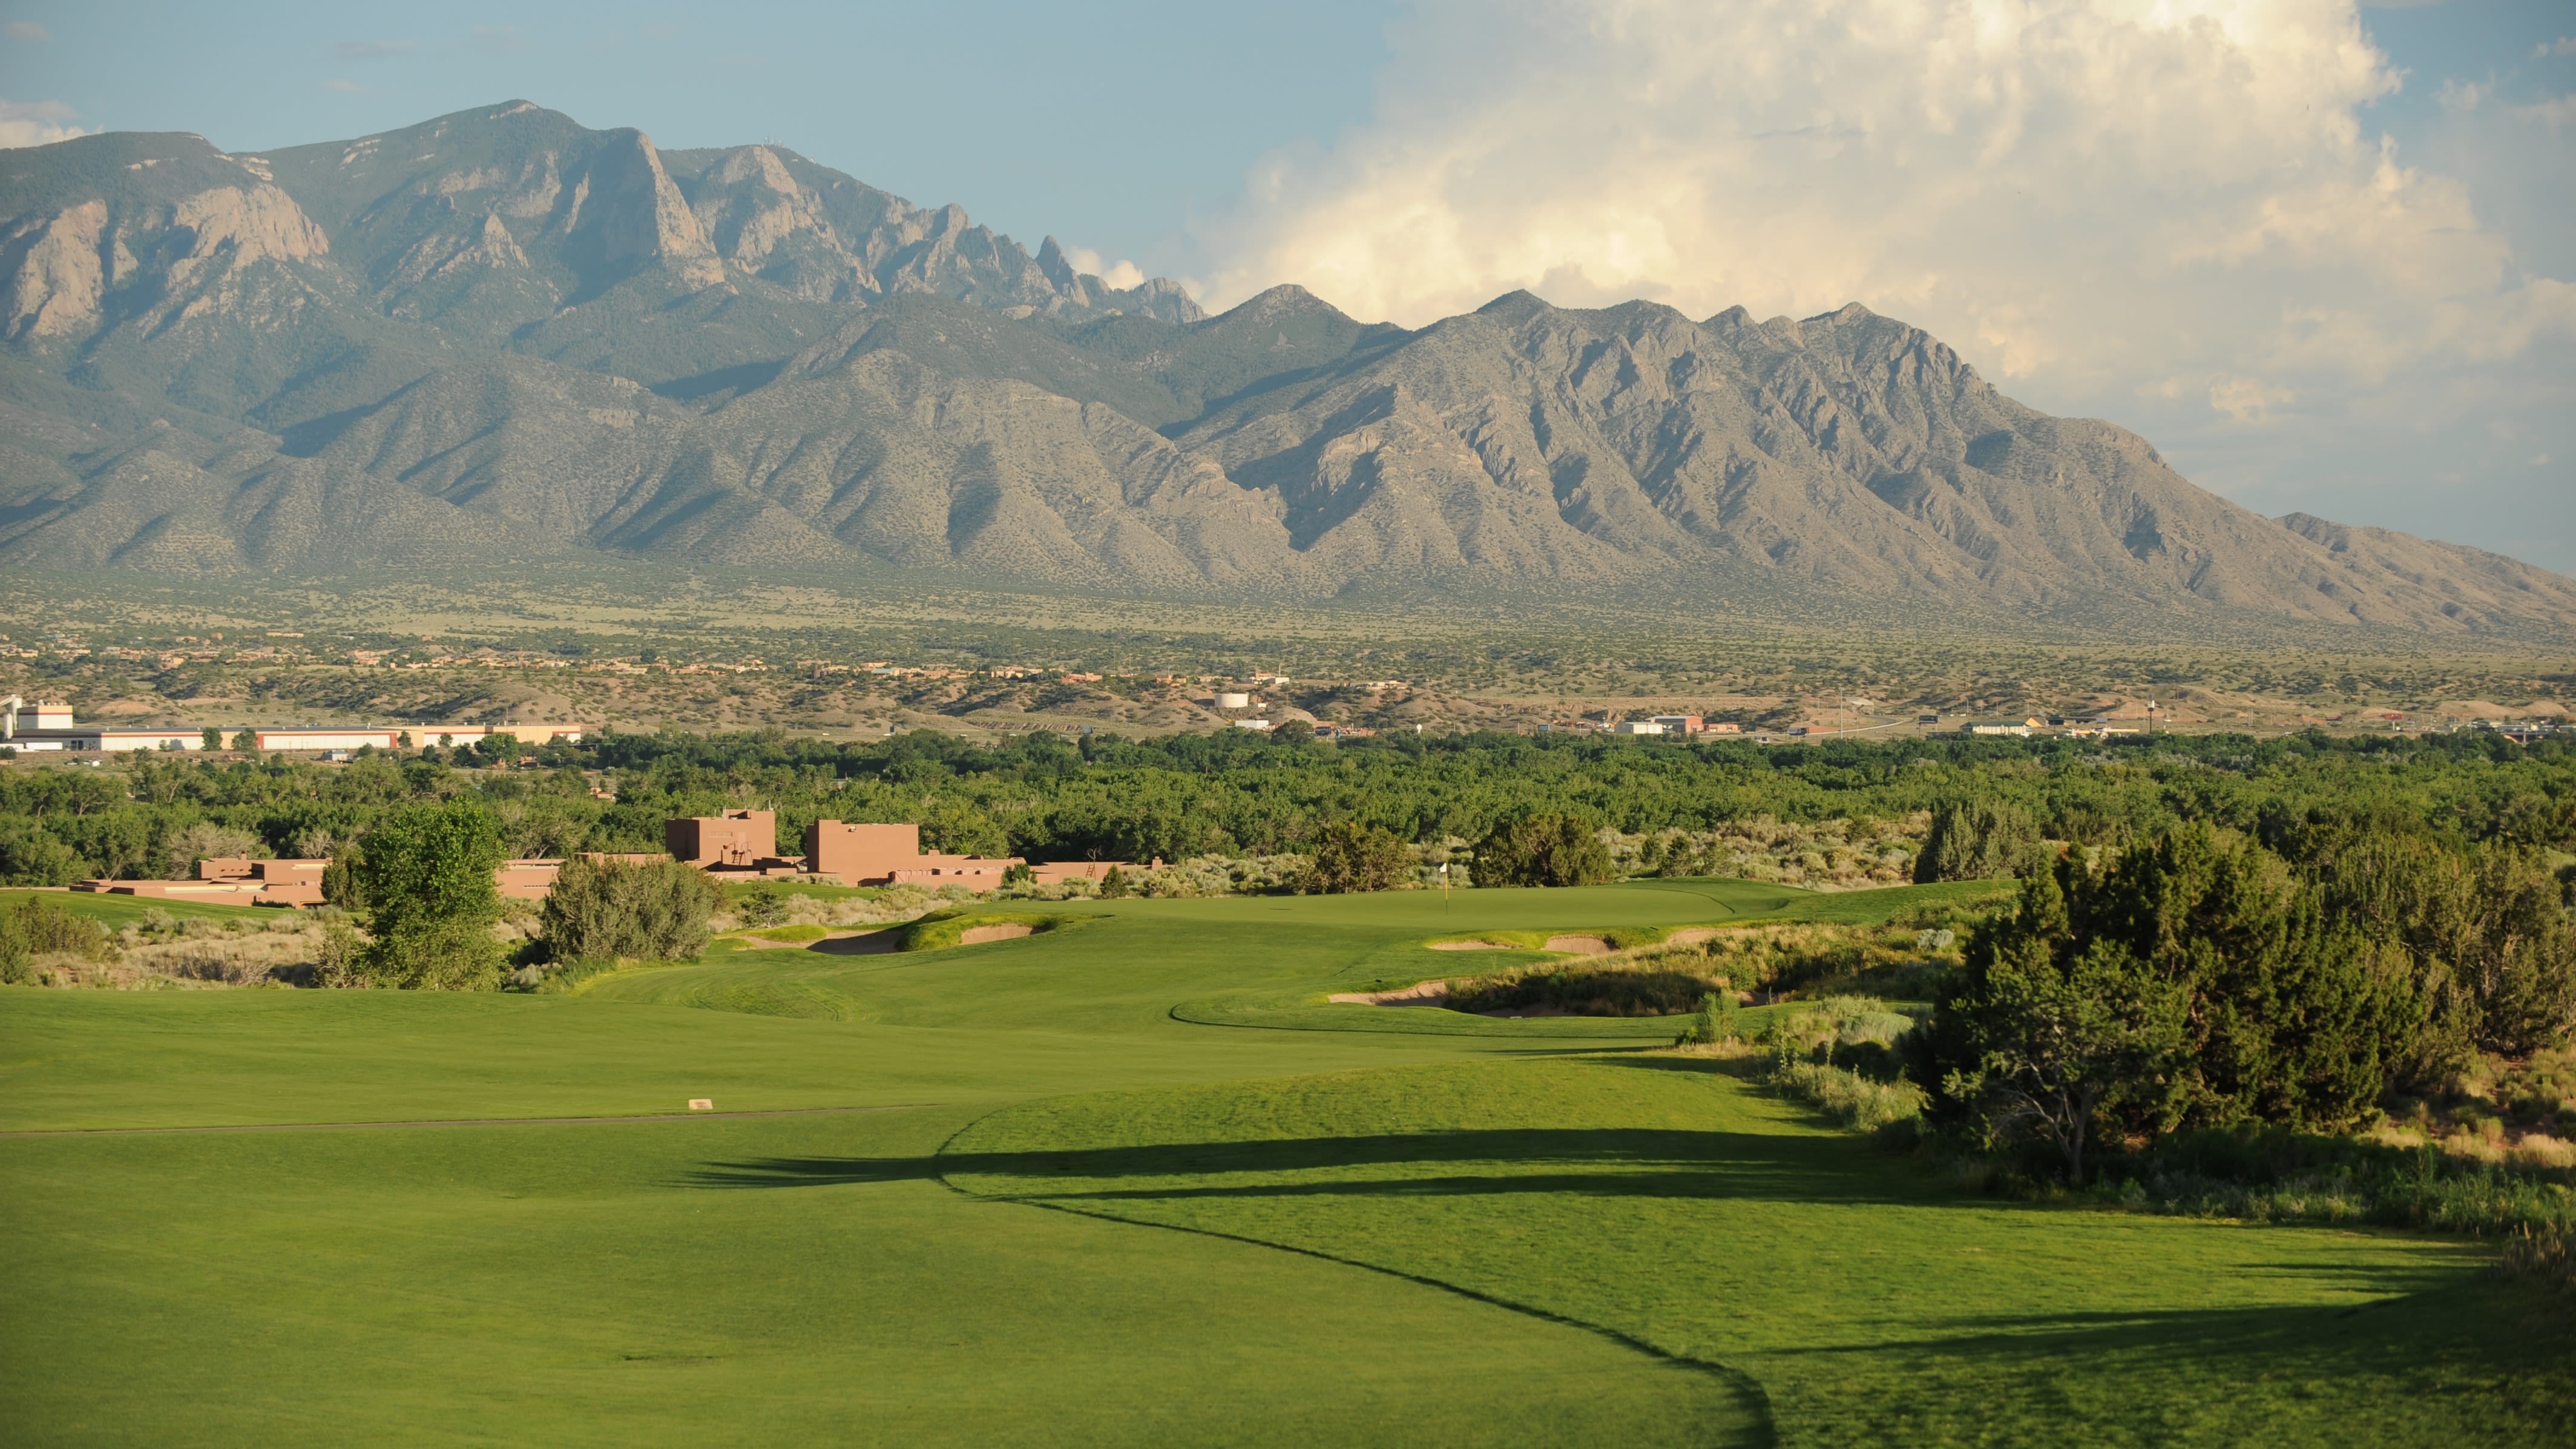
(1129, 1180)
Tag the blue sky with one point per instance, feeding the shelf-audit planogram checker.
(2322, 258)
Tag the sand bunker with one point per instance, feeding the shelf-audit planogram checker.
(1469, 946)
(1420, 993)
(1579, 945)
(978, 935)
(874, 943)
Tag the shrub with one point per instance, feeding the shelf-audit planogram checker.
(760, 905)
(1542, 850)
(2548, 1257)
(1852, 1099)
(49, 928)
(1713, 1024)
(17, 960)
(1353, 857)
(1113, 886)
(653, 910)
(342, 956)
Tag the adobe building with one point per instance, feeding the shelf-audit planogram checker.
(737, 838)
(229, 881)
(892, 855)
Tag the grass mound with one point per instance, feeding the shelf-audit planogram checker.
(942, 929)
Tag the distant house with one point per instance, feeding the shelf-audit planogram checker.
(1680, 724)
(1637, 727)
(230, 881)
(2021, 727)
(735, 840)
(1721, 727)
(858, 854)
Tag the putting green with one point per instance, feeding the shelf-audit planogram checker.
(1377, 1226)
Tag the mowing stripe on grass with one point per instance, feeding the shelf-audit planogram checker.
(455, 1122)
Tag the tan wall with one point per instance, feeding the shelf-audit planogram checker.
(737, 837)
(858, 853)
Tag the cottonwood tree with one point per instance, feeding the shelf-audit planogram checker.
(426, 874)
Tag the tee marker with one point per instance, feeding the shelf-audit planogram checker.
(702, 1104)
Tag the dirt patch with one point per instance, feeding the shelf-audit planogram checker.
(1579, 945)
(1469, 946)
(1691, 936)
(874, 943)
(1421, 993)
(978, 935)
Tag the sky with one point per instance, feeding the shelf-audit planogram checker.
(2323, 257)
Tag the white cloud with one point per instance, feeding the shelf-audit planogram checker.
(36, 123)
(2563, 45)
(2553, 113)
(2246, 399)
(28, 30)
(344, 87)
(1120, 274)
(2178, 214)
(2095, 192)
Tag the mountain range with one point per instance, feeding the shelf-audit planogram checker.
(501, 336)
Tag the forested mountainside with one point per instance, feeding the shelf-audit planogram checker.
(501, 336)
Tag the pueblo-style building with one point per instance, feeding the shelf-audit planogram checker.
(229, 881)
(892, 855)
(736, 841)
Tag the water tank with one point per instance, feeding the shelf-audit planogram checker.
(1233, 699)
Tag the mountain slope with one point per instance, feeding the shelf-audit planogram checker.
(502, 334)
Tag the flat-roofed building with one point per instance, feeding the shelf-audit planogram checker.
(862, 854)
(325, 737)
(230, 880)
(740, 839)
(1680, 724)
(1637, 727)
(2021, 727)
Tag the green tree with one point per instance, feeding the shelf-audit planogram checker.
(211, 737)
(1974, 839)
(1114, 884)
(2051, 1038)
(1542, 850)
(427, 878)
(341, 879)
(648, 910)
(1354, 857)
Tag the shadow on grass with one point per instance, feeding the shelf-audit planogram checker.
(2442, 1345)
(1609, 1162)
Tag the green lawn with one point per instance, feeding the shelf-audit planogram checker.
(1100, 1195)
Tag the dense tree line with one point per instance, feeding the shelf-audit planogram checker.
(1237, 793)
(2294, 975)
